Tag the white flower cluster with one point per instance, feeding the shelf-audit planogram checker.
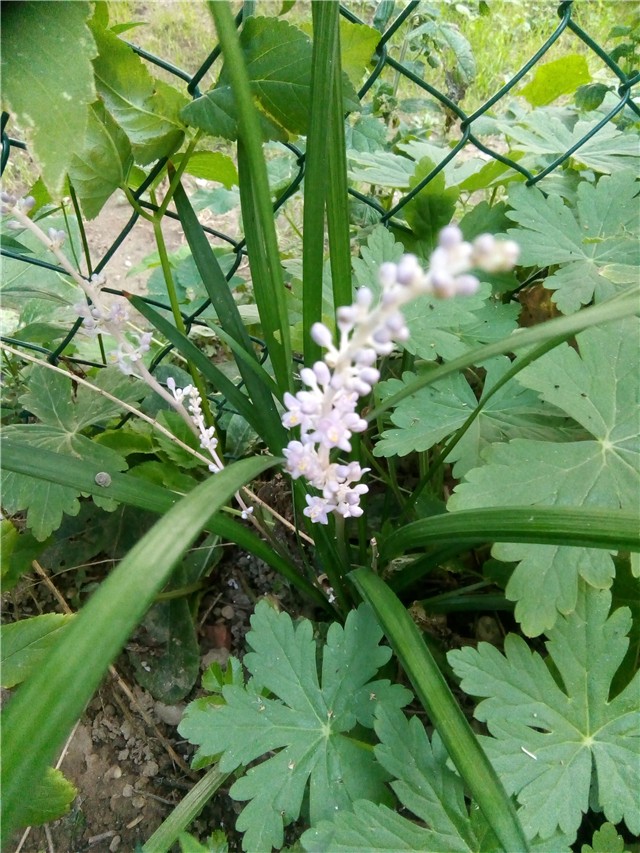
(98, 318)
(207, 435)
(325, 410)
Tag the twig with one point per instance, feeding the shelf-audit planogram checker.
(123, 686)
(155, 425)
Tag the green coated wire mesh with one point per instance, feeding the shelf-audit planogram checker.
(465, 125)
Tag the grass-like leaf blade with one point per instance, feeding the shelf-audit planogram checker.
(45, 707)
(443, 709)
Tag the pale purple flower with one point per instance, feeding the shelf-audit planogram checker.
(326, 409)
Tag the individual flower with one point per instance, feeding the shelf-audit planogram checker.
(325, 409)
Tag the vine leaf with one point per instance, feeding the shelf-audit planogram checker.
(62, 417)
(145, 108)
(41, 83)
(424, 784)
(435, 412)
(595, 246)
(560, 739)
(308, 721)
(278, 59)
(598, 389)
(103, 162)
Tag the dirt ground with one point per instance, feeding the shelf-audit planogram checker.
(126, 757)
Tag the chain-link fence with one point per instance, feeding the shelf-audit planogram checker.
(383, 59)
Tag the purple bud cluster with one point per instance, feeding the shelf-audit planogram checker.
(190, 396)
(325, 410)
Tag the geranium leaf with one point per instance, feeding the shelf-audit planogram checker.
(308, 721)
(598, 389)
(49, 799)
(593, 245)
(24, 644)
(427, 787)
(542, 135)
(435, 412)
(62, 417)
(556, 739)
(450, 327)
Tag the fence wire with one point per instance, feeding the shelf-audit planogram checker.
(381, 60)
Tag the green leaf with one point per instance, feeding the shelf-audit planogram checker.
(48, 93)
(381, 246)
(211, 166)
(357, 46)
(595, 245)
(443, 709)
(278, 61)
(215, 843)
(424, 785)
(553, 79)
(102, 164)
(605, 840)
(382, 168)
(427, 787)
(433, 208)
(178, 427)
(171, 669)
(144, 108)
(590, 97)
(542, 135)
(450, 327)
(307, 721)
(554, 741)
(44, 708)
(367, 133)
(26, 642)
(63, 417)
(597, 388)
(435, 412)
(50, 798)
(17, 552)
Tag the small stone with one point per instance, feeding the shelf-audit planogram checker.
(115, 844)
(169, 714)
(127, 791)
(150, 769)
(114, 772)
(123, 755)
(138, 802)
(227, 612)
(220, 656)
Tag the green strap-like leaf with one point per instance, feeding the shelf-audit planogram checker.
(219, 293)
(584, 527)
(257, 212)
(45, 707)
(126, 489)
(443, 709)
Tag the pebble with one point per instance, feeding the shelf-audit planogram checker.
(138, 802)
(115, 844)
(227, 612)
(169, 714)
(127, 791)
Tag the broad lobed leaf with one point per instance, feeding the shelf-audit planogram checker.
(559, 740)
(308, 720)
(597, 387)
